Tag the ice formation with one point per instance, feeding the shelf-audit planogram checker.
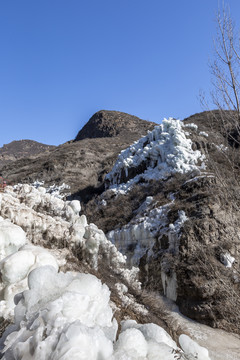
(162, 152)
(192, 349)
(50, 221)
(14, 271)
(138, 237)
(63, 316)
(12, 237)
(55, 190)
(58, 316)
(227, 259)
(203, 133)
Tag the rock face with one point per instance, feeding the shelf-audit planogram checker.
(82, 164)
(22, 149)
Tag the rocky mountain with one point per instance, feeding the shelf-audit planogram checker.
(176, 192)
(113, 123)
(82, 163)
(167, 199)
(22, 149)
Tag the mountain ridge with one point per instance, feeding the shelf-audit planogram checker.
(18, 149)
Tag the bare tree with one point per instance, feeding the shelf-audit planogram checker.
(225, 70)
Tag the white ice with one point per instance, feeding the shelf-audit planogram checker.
(165, 150)
(68, 316)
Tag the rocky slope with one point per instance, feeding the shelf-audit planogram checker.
(82, 164)
(50, 260)
(170, 202)
(22, 149)
(113, 123)
(179, 223)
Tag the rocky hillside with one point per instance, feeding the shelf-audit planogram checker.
(82, 163)
(68, 293)
(113, 123)
(22, 149)
(176, 192)
(170, 202)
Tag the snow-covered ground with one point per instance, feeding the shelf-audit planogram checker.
(60, 315)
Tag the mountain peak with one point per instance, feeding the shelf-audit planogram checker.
(109, 123)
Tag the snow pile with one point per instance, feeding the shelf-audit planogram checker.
(191, 126)
(162, 152)
(65, 316)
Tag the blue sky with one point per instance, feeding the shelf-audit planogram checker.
(63, 60)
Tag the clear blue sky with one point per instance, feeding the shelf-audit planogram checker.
(63, 60)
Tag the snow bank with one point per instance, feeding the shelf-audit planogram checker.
(162, 152)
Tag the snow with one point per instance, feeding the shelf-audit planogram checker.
(164, 151)
(151, 332)
(145, 341)
(128, 300)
